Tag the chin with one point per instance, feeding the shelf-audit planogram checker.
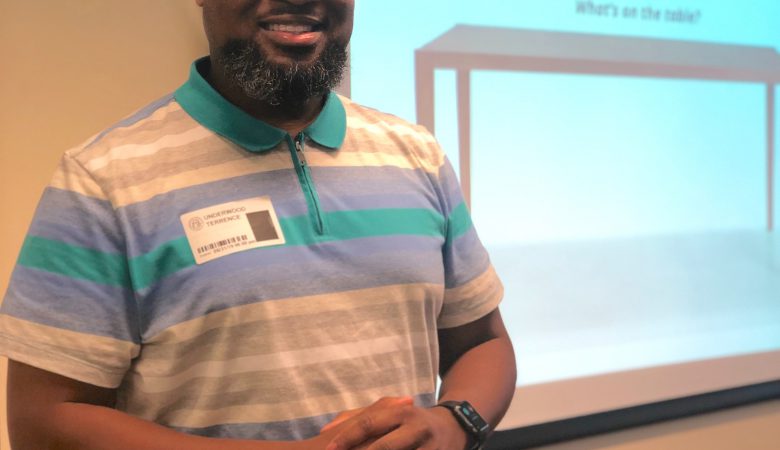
(282, 74)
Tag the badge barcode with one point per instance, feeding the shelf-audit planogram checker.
(222, 243)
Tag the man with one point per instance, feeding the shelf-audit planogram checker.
(256, 263)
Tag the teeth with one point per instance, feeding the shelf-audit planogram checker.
(291, 28)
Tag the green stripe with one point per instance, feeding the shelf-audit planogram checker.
(458, 223)
(166, 259)
(175, 255)
(346, 225)
(74, 261)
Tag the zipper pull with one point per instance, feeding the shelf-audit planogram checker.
(299, 150)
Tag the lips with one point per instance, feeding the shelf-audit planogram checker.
(290, 30)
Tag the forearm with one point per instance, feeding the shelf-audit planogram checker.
(485, 377)
(79, 426)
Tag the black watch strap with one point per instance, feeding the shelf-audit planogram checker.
(469, 419)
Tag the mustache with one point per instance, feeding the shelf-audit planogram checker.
(279, 8)
(305, 9)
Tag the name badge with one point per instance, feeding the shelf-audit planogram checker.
(232, 227)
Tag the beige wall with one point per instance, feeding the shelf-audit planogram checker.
(71, 68)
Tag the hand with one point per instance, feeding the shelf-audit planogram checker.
(346, 415)
(321, 441)
(341, 418)
(332, 429)
(388, 426)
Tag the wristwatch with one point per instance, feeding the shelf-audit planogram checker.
(469, 419)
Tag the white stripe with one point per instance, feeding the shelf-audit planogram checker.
(295, 306)
(131, 151)
(400, 129)
(281, 360)
(289, 411)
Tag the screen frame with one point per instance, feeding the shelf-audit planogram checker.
(620, 419)
(556, 411)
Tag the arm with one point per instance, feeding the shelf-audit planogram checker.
(49, 411)
(477, 364)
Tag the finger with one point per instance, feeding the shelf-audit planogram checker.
(393, 401)
(341, 418)
(403, 438)
(376, 421)
(383, 402)
(365, 445)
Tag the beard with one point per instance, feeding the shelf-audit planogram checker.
(246, 65)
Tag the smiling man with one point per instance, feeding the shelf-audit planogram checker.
(255, 262)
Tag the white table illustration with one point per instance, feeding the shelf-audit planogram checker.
(466, 48)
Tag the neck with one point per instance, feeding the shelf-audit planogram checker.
(292, 118)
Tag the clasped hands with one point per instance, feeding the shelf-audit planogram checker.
(394, 423)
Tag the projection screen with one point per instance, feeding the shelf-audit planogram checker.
(619, 162)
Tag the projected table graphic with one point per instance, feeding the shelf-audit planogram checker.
(467, 48)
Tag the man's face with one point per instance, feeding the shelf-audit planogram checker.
(286, 31)
(275, 49)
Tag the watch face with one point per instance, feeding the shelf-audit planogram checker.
(470, 420)
(476, 421)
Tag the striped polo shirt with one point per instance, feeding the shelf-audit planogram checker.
(231, 280)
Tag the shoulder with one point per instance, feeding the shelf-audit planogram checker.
(161, 118)
(371, 130)
(127, 157)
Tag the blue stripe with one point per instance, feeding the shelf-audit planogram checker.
(71, 304)
(344, 188)
(289, 430)
(464, 259)
(156, 221)
(141, 114)
(75, 219)
(450, 186)
(281, 272)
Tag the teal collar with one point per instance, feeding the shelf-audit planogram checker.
(214, 112)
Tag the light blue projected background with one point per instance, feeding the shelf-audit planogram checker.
(626, 216)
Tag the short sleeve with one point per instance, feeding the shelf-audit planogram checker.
(70, 308)
(472, 287)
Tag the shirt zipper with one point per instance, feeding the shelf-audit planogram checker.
(297, 150)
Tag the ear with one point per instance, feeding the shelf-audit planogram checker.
(199, 3)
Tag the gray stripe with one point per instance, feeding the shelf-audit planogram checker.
(292, 333)
(288, 430)
(289, 388)
(198, 155)
(477, 304)
(173, 122)
(137, 117)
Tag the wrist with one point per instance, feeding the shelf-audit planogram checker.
(470, 421)
(456, 435)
